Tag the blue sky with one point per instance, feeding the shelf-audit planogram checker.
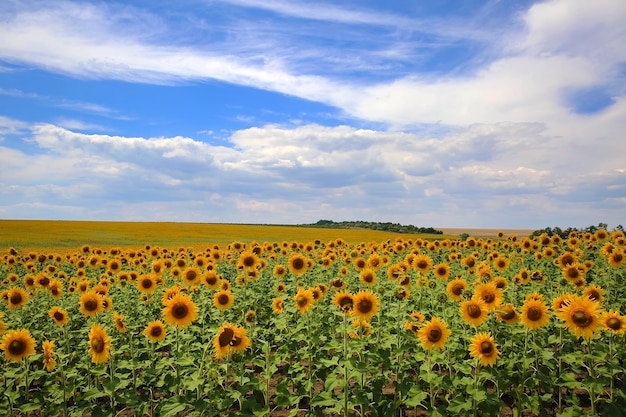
(503, 114)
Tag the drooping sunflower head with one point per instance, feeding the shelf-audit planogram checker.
(17, 344)
(365, 304)
(240, 341)
(434, 334)
(155, 331)
(224, 336)
(99, 344)
(120, 324)
(534, 314)
(180, 310)
(483, 348)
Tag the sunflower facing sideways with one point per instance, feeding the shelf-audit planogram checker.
(614, 322)
(434, 334)
(17, 344)
(155, 331)
(59, 315)
(483, 348)
(180, 310)
(230, 339)
(99, 344)
(304, 300)
(344, 301)
(278, 305)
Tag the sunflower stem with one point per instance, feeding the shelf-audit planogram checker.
(26, 384)
(112, 380)
(345, 365)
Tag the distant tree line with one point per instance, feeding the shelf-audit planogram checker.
(564, 233)
(384, 226)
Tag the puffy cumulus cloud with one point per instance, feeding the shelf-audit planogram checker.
(294, 175)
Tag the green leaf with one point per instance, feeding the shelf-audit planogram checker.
(171, 407)
(93, 393)
(415, 396)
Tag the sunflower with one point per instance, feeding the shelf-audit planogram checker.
(581, 316)
(280, 288)
(501, 263)
(17, 297)
(224, 336)
(180, 310)
(155, 331)
(594, 293)
(240, 341)
(278, 305)
(48, 355)
(279, 271)
(191, 276)
(474, 311)
(442, 271)
(344, 300)
(417, 316)
(90, 303)
(456, 288)
(490, 294)
(99, 344)
(614, 322)
(359, 263)
(146, 284)
(483, 348)
(298, 264)
(211, 279)
(55, 289)
(223, 299)
(616, 258)
(17, 344)
(403, 294)
(250, 317)
(574, 272)
(422, 263)
(118, 320)
(367, 276)
(507, 314)
(304, 300)
(59, 315)
(434, 334)
(365, 304)
(534, 314)
(248, 260)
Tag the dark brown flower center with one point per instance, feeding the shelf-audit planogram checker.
(297, 264)
(225, 337)
(16, 298)
(581, 319)
(508, 314)
(534, 314)
(156, 331)
(614, 324)
(365, 306)
(97, 345)
(434, 335)
(91, 305)
(146, 283)
(223, 299)
(17, 347)
(58, 316)
(488, 297)
(474, 311)
(486, 348)
(180, 311)
(593, 295)
(457, 289)
(191, 275)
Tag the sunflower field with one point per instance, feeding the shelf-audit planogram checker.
(406, 327)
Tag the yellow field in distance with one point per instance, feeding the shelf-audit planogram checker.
(62, 236)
